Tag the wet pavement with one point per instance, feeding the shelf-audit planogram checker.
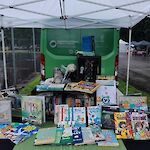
(139, 71)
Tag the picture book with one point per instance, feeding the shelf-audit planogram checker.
(18, 132)
(5, 111)
(110, 139)
(108, 120)
(45, 136)
(121, 128)
(87, 87)
(79, 116)
(61, 115)
(129, 126)
(67, 136)
(77, 135)
(69, 86)
(94, 115)
(97, 133)
(140, 126)
(59, 132)
(1, 127)
(106, 95)
(56, 100)
(88, 137)
(133, 102)
(33, 109)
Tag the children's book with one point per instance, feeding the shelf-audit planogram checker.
(121, 128)
(140, 126)
(97, 133)
(77, 135)
(67, 136)
(94, 115)
(1, 127)
(61, 115)
(45, 136)
(106, 95)
(87, 87)
(108, 121)
(5, 111)
(110, 139)
(88, 137)
(18, 132)
(59, 132)
(69, 86)
(79, 116)
(33, 109)
(133, 102)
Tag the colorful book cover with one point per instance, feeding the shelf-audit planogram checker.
(121, 129)
(2, 136)
(140, 126)
(97, 133)
(18, 132)
(45, 136)
(69, 86)
(59, 132)
(94, 115)
(110, 139)
(77, 135)
(33, 109)
(133, 102)
(129, 126)
(61, 115)
(5, 111)
(108, 121)
(79, 116)
(67, 136)
(88, 137)
(87, 87)
(106, 95)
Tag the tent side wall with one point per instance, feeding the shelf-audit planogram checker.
(59, 47)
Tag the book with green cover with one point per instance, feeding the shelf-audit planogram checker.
(59, 132)
(45, 136)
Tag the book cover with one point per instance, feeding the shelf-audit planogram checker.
(88, 137)
(77, 135)
(70, 101)
(133, 102)
(33, 109)
(5, 111)
(87, 87)
(61, 115)
(108, 121)
(79, 116)
(140, 126)
(67, 136)
(97, 133)
(69, 86)
(110, 139)
(94, 115)
(45, 136)
(59, 132)
(121, 128)
(18, 132)
(106, 95)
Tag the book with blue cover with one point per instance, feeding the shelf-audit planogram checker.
(77, 135)
(94, 115)
(110, 139)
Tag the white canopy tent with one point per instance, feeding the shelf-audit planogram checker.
(73, 14)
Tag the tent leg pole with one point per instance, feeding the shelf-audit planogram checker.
(33, 33)
(4, 58)
(13, 52)
(128, 64)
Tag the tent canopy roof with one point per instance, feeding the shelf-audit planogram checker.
(73, 13)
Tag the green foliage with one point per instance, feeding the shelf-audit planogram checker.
(132, 90)
(28, 89)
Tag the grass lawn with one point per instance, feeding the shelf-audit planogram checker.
(122, 87)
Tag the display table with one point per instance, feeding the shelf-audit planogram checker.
(29, 145)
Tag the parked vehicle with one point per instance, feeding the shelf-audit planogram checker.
(140, 52)
(59, 46)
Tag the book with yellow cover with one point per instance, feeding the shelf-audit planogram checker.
(87, 87)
